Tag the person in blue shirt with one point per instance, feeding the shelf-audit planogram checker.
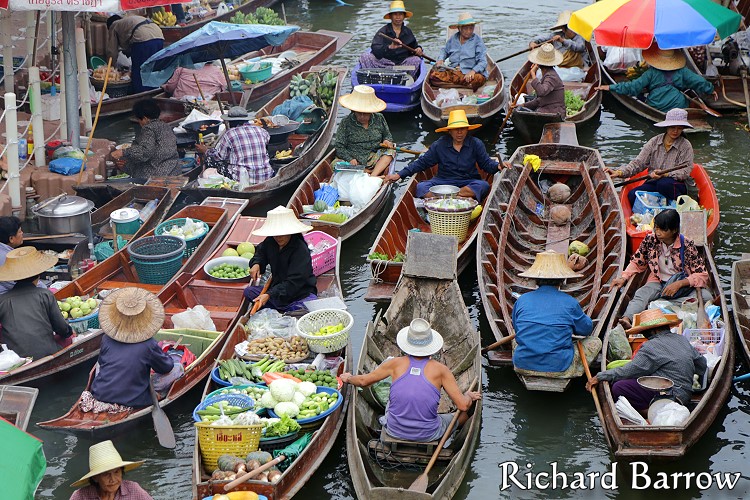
(467, 55)
(457, 156)
(546, 320)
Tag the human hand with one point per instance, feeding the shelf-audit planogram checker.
(507, 164)
(602, 87)
(201, 148)
(345, 377)
(655, 174)
(557, 38)
(533, 45)
(418, 51)
(591, 383)
(262, 299)
(353, 161)
(440, 62)
(120, 164)
(117, 154)
(612, 172)
(672, 288)
(715, 95)
(255, 272)
(618, 282)
(391, 178)
(534, 68)
(474, 396)
(389, 144)
(470, 76)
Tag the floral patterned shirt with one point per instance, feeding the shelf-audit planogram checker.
(647, 257)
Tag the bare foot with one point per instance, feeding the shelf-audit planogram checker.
(625, 322)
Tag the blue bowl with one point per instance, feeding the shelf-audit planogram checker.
(219, 381)
(322, 415)
(233, 399)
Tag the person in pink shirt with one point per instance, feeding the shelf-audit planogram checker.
(104, 480)
(182, 83)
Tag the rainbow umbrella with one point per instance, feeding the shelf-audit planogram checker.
(636, 23)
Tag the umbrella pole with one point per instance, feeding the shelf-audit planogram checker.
(229, 82)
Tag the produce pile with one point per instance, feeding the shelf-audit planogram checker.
(297, 400)
(262, 15)
(279, 348)
(399, 257)
(214, 411)
(229, 271)
(573, 103)
(163, 18)
(636, 71)
(321, 378)
(246, 250)
(450, 204)
(231, 467)
(324, 331)
(320, 87)
(191, 229)
(254, 391)
(253, 372)
(76, 307)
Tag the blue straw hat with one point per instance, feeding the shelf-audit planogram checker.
(464, 19)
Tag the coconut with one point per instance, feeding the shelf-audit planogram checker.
(560, 215)
(576, 262)
(559, 193)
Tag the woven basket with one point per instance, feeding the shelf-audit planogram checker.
(190, 243)
(313, 321)
(245, 402)
(113, 89)
(157, 258)
(450, 222)
(215, 441)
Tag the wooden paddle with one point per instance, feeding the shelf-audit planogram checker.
(585, 364)
(115, 243)
(163, 427)
(413, 51)
(743, 75)
(420, 484)
(96, 120)
(249, 475)
(50, 236)
(514, 54)
(702, 320)
(698, 101)
(497, 344)
(512, 107)
(645, 177)
(404, 150)
(199, 88)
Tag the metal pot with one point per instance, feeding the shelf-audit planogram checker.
(64, 214)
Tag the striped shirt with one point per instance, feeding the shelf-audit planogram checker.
(655, 156)
(244, 147)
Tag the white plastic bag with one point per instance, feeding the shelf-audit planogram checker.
(270, 323)
(447, 97)
(574, 74)
(342, 182)
(685, 203)
(9, 359)
(671, 414)
(619, 58)
(362, 188)
(197, 318)
(625, 410)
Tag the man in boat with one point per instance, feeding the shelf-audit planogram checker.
(467, 55)
(385, 53)
(548, 87)
(457, 155)
(571, 45)
(11, 236)
(665, 354)
(411, 413)
(139, 38)
(29, 315)
(545, 321)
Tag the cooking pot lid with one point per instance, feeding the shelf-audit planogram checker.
(67, 206)
(123, 215)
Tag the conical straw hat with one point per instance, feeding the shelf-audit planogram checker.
(103, 457)
(653, 318)
(666, 60)
(562, 20)
(363, 100)
(546, 55)
(550, 265)
(281, 221)
(25, 262)
(131, 315)
(397, 6)
(457, 119)
(464, 19)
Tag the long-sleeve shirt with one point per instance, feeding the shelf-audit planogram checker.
(153, 152)
(120, 34)
(544, 321)
(125, 371)
(647, 258)
(182, 82)
(353, 141)
(452, 164)
(550, 92)
(661, 94)
(470, 55)
(293, 277)
(29, 316)
(129, 490)
(654, 156)
(380, 44)
(244, 147)
(572, 49)
(664, 355)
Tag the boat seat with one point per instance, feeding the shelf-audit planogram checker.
(397, 450)
(111, 285)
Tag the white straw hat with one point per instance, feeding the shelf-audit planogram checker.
(550, 265)
(418, 339)
(281, 221)
(103, 457)
(363, 100)
(546, 55)
(562, 19)
(464, 19)
(25, 262)
(398, 6)
(676, 117)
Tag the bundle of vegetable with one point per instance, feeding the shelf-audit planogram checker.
(191, 229)
(322, 378)
(327, 88)
(573, 103)
(316, 404)
(213, 411)
(451, 204)
(299, 86)
(233, 367)
(328, 330)
(399, 257)
(298, 400)
(275, 427)
(76, 307)
(279, 348)
(163, 18)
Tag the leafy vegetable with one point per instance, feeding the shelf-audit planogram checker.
(286, 409)
(399, 257)
(285, 425)
(573, 103)
(267, 400)
(282, 389)
(307, 388)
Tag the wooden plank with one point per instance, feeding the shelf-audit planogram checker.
(430, 256)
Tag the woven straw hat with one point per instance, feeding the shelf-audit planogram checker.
(676, 117)
(562, 20)
(666, 60)
(281, 221)
(363, 100)
(652, 318)
(25, 262)
(457, 119)
(464, 19)
(546, 55)
(131, 315)
(103, 457)
(398, 6)
(550, 265)
(419, 339)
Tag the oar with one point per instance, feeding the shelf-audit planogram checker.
(96, 120)
(404, 150)
(497, 344)
(199, 87)
(420, 484)
(697, 100)
(413, 51)
(585, 364)
(645, 177)
(512, 106)
(702, 320)
(514, 54)
(163, 427)
(50, 236)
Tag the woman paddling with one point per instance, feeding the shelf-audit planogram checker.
(467, 55)
(104, 480)
(386, 54)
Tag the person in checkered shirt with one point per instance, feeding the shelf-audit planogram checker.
(242, 147)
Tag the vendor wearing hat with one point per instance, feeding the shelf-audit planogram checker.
(457, 155)
(286, 252)
(29, 314)
(665, 354)
(386, 54)
(570, 44)
(412, 410)
(104, 480)
(361, 133)
(664, 81)
(545, 321)
(549, 87)
(465, 55)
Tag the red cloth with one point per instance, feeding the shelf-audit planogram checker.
(182, 83)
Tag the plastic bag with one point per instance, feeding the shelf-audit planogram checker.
(626, 411)
(619, 58)
(294, 107)
(382, 390)
(671, 414)
(197, 318)
(447, 97)
(342, 182)
(618, 347)
(362, 189)
(66, 166)
(685, 203)
(574, 74)
(270, 323)
(9, 359)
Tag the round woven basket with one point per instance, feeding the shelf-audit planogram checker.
(157, 258)
(314, 321)
(451, 221)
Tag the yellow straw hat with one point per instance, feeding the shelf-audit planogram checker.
(464, 19)
(546, 55)
(457, 119)
(562, 20)
(281, 221)
(103, 457)
(667, 60)
(131, 315)
(652, 318)
(363, 100)
(397, 6)
(550, 265)
(25, 262)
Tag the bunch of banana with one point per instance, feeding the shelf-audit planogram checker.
(634, 72)
(299, 86)
(164, 18)
(283, 154)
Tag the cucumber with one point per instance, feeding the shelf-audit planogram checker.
(617, 363)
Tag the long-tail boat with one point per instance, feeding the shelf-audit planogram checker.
(741, 302)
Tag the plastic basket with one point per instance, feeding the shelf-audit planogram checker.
(157, 258)
(704, 339)
(382, 77)
(313, 321)
(80, 325)
(190, 243)
(326, 260)
(278, 442)
(219, 381)
(215, 441)
(257, 75)
(451, 222)
(642, 206)
(245, 402)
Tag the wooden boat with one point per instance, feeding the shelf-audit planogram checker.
(17, 403)
(514, 228)
(706, 198)
(392, 238)
(696, 116)
(322, 172)
(136, 197)
(635, 442)
(741, 302)
(398, 98)
(304, 467)
(122, 105)
(530, 123)
(308, 152)
(429, 292)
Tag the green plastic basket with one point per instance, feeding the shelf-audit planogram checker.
(105, 250)
(190, 243)
(157, 258)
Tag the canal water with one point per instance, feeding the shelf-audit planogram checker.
(531, 429)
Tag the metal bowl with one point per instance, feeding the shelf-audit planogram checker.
(212, 126)
(444, 190)
(655, 383)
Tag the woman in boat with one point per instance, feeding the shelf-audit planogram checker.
(11, 236)
(412, 410)
(664, 81)
(154, 149)
(668, 150)
(104, 481)
(386, 54)
(549, 88)
(285, 251)
(570, 44)
(456, 155)
(673, 262)
(361, 133)
(467, 55)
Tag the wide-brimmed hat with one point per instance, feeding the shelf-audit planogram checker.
(457, 119)
(550, 265)
(562, 20)
(419, 339)
(103, 457)
(464, 19)
(676, 117)
(397, 6)
(666, 60)
(131, 315)
(281, 221)
(652, 318)
(25, 262)
(546, 55)
(363, 100)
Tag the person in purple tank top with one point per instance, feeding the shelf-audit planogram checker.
(411, 413)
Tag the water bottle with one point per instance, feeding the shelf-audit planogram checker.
(149, 209)
(23, 148)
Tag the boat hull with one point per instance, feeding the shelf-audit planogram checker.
(398, 98)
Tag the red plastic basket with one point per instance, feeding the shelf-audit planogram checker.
(326, 260)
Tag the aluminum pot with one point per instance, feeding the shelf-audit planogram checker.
(64, 214)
